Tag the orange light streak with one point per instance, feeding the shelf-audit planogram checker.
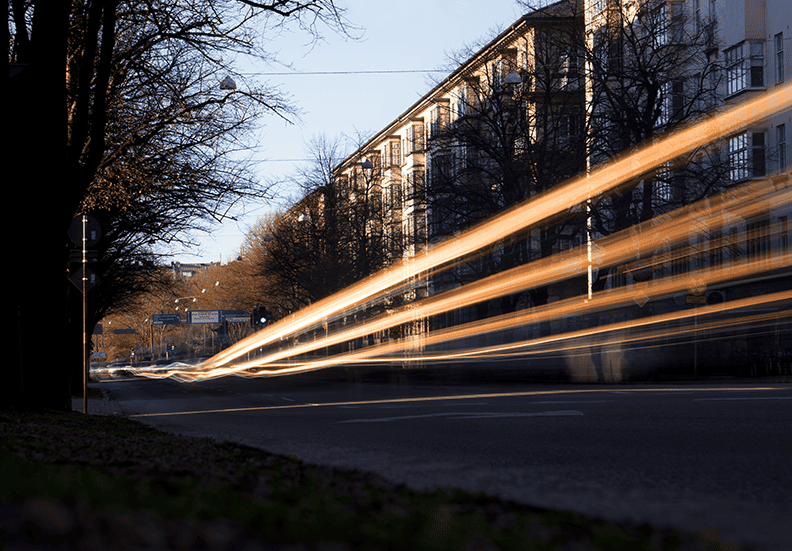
(614, 249)
(518, 218)
(744, 202)
(523, 347)
(566, 308)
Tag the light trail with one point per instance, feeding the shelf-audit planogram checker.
(521, 348)
(445, 398)
(518, 218)
(567, 308)
(660, 232)
(744, 202)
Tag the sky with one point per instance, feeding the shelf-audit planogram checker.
(407, 35)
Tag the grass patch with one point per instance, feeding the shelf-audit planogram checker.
(114, 464)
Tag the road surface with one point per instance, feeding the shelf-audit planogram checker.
(690, 456)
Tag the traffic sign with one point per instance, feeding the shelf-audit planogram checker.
(697, 286)
(166, 319)
(77, 279)
(93, 231)
(696, 300)
(203, 316)
(235, 316)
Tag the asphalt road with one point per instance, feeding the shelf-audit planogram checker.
(691, 456)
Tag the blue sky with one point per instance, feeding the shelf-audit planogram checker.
(406, 35)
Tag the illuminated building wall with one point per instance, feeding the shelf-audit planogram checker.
(735, 50)
(465, 150)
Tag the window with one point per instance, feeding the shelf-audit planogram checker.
(716, 248)
(758, 155)
(783, 223)
(779, 47)
(395, 153)
(781, 146)
(658, 25)
(393, 196)
(663, 192)
(571, 124)
(570, 69)
(461, 105)
(415, 138)
(757, 64)
(733, 245)
(676, 24)
(672, 102)
(440, 168)
(697, 10)
(415, 188)
(747, 156)
(598, 6)
(744, 67)
(735, 69)
(758, 240)
(438, 120)
(738, 158)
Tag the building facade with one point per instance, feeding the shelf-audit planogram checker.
(504, 126)
(562, 90)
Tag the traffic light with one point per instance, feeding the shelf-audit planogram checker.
(259, 317)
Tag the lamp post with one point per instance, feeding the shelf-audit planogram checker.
(195, 299)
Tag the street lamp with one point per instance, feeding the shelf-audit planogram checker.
(194, 299)
(512, 79)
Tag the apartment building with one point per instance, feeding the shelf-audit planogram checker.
(706, 55)
(505, 125)
(568, 87)
(755, 36)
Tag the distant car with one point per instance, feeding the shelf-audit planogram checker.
(123, 373)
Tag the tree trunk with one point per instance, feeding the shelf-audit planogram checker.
(35, 377)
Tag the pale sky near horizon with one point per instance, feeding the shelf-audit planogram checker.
(408, 35)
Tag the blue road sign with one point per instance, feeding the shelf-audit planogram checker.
(203, 316)
(235, 316)
(166, 319)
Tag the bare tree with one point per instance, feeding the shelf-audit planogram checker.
(651, 67)
(652, 70)
(336, 234)
(516, 130)
(153, 102)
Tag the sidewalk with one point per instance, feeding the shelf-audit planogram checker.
(105, 406)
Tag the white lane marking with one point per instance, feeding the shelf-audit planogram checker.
(573, 402)
(522, 414)
(399, 418)
(746, 398)
(467, 415)
(287, 399)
